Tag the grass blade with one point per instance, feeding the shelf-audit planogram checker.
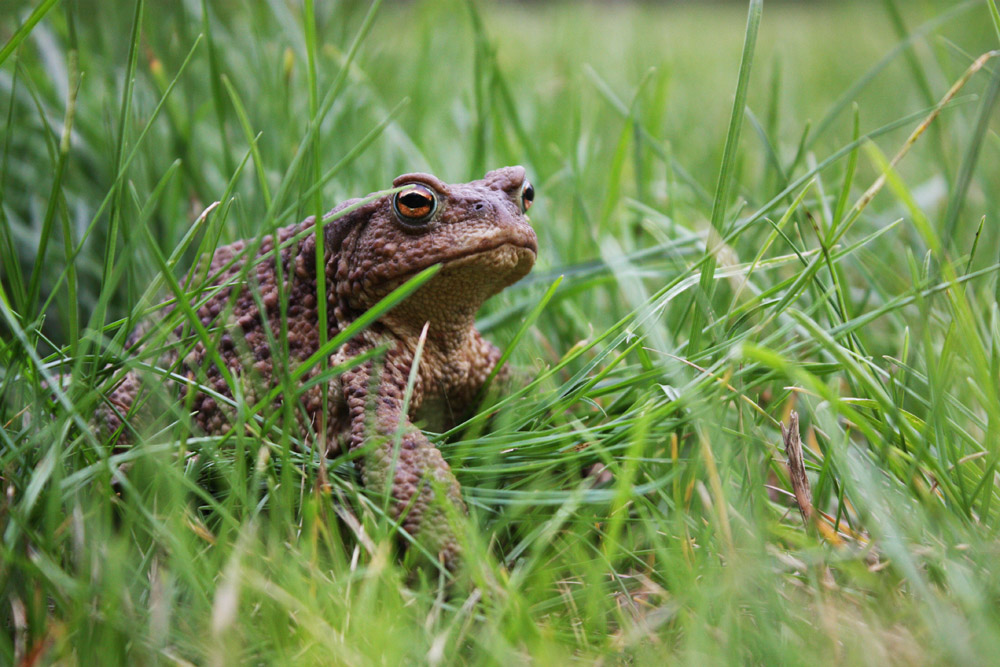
(702, 310)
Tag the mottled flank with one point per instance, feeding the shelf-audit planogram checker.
(480, 235)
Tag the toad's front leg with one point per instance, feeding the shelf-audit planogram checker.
(399, 457)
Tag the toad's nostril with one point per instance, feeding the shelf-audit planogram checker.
(479, 206)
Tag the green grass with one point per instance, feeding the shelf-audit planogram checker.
(667, 354)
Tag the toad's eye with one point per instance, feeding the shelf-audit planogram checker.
(415, 204)
(527, 196)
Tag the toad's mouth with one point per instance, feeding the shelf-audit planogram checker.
(489, 245)
(509, 254)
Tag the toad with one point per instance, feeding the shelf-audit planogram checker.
(477, 232)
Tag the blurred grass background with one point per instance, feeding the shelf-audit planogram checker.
(122, 122)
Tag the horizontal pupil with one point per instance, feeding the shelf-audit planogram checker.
(415, 200)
